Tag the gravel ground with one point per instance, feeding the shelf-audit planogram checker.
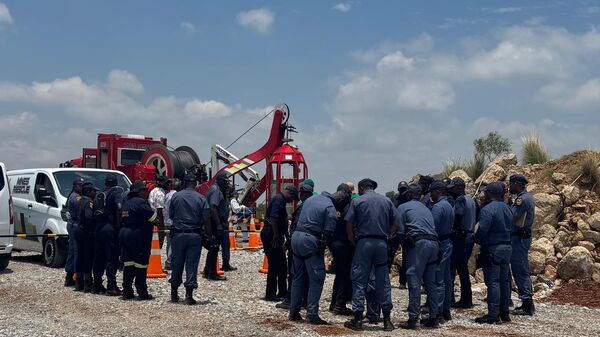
(35, 303)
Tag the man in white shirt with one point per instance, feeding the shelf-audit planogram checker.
(239, 213)
(157, 202)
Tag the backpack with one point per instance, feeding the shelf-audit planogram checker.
(100, 206)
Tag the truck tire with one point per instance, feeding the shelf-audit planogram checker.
(52, 256)
(4, 260)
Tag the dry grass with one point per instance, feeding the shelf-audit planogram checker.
(534, 152)
(452, 165)
(588, 170)
(476, 166)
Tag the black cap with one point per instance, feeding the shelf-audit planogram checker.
(293, 190)
(306, 189)
(437, 185)
(495, 188)
(111, 178)
(138, 186)
(222, 176)
(367, 183)
(189, 177)
(457, 181)
(78, 181)
(518, 178)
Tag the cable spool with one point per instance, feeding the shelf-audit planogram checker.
(172, 164)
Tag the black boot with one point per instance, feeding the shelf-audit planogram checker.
(411, 324)
(87, 283)
(355, 323)
(447, 316)
(69, 282)
(462, 304)
(505, 317)
(343, 311)
(526, 309)
(128, 275)
(97, 287)
(228, 267)
(79, 282)
(140, 285)
(189, 296)
(174, 294)
(387, 322)
(316, 320)
(487, 320)
(433, 322)
(295, 317)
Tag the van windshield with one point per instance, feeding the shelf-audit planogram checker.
(65, 180)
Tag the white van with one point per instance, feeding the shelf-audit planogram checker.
(40, 198)
(6, 219)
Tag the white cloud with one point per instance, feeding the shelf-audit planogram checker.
(505, 10)
(188, 27)
(585, 96)
(198, 109)
(5, 17)
(259, 20)
(343, 7)
(123, 81)
(395, 61)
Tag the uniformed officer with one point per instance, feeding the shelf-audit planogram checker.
(306, 191)
(424, 183)
(493, 235)
(419, 237)
(402, 198)
(219, 213)
(523, 209)
(84, 234)
(190, 213)
(342, 251)
(73, 209)
(272, 237)
(106, 251)
(465, 211)
(135, 237)
(443, 218)
(371, 220)
(313, 232)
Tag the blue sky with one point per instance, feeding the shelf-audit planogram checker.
(383, 89)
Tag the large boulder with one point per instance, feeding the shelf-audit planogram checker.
(493, 172)
(577, 264)
(469, 185)
(594, 221)
(592, 236)
(541, 250)
(547, 208)
(506, 161)
(562, 240)
(571, 195)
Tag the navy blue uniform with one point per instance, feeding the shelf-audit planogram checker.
(417, 230)
(187, 210)
(443, 217)
(290, 255)
(465, 212)
(73, 208)
(523, 209)
(84, 235)
(371, 215)
(135, 238)
(494, 237)
(106, 245)
(276, 276)
(318, 216)
(215, 198)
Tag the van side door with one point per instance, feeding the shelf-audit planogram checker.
(45, 204)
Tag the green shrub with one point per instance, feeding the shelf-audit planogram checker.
(476, 166)
(534, 151)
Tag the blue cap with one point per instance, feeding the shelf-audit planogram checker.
(457, 181)
(494, 188)
(87, 186)
(367, 183)
(403, 185)
(222, 176)
(111, 178)
(437, 185)
(305, 188)
(190, 177)
(78, 181)
(518, 178)
(425, 180)
(415, 189)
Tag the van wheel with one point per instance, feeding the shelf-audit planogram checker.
(51, 255)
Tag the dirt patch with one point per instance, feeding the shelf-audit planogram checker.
(277, 324)
(584, 293)
(333, 330)
(482, 331)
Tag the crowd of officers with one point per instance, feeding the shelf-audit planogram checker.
(433, 222)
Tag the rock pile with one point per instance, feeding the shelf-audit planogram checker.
(566, 232)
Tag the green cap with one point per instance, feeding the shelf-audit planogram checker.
(309, 182)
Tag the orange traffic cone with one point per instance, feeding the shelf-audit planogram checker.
(219, 271)
(262, 225)
(253, 238)
(232, 243)
(155, 269)
(265, 267)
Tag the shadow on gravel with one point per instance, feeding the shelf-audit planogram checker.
(6, 271)
(33, 259)
(483, 331)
